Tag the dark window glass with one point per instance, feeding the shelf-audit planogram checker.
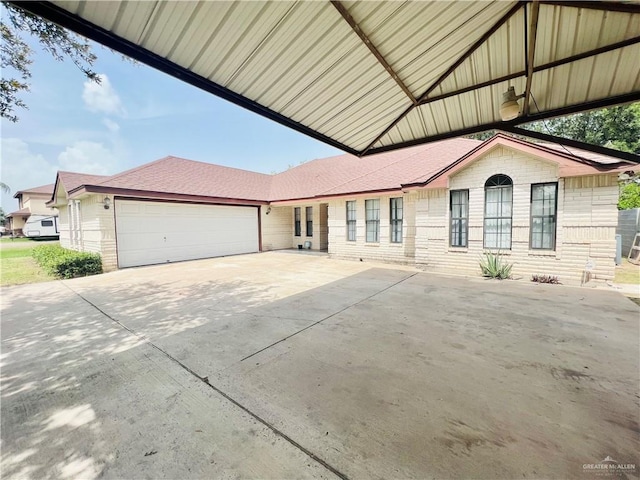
(309, 219)
(297, 224)
(396, 220)
(351, 221)
(543, 216)
(459, 209)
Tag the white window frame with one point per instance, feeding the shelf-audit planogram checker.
(499, 186)
(372, 216)
(351, 214)
(459, 219)
(308, 217)
(297, 221)
(551, 205)
(396, 213)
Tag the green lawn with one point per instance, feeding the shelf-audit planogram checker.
(14, 240)
(628, 273)
(17, 266)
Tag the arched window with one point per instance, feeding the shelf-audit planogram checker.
(498, 198)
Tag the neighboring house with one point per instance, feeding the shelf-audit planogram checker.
(439, 206)
(31, 201)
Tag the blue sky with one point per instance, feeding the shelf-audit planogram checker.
(135, 116)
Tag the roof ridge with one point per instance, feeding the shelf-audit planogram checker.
(169, 157)
(371, 172)
(134, 169)
(565, 152)
(216, 165)
(308, 162)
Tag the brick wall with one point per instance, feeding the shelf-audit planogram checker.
(98, 230)
(315, 239)
(383, 250)
(277, 228)
(586, 221)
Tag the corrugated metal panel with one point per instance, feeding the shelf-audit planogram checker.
(305, 61)
(458, 112)
(170, 23)
(414, 38)
(459, 34)
(577, 81)
(503, 53)
(564, 31)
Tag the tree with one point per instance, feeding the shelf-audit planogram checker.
(16, 56)
(617, 127)
(629, 191)
(3, 219)
(4, 187)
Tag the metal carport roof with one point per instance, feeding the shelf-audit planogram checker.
(370, 76)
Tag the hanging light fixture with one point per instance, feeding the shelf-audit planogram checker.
(510, 109)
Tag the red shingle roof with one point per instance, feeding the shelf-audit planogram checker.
(45, 189)
(592, 156)
(188, 177)
(349, 174)
(339, 175)
(71, 180)
(19, 213)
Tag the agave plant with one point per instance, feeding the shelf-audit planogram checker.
(493, 265)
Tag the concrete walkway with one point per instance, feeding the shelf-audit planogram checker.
(291, 366)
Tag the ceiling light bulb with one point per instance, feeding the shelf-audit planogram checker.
(510, 109)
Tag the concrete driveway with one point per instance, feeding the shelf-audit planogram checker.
(284, 365)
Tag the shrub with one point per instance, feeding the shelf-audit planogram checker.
(629, 196)
(493, 265)
(63, 263)
(545, 279)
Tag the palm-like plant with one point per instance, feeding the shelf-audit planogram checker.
(493, 265)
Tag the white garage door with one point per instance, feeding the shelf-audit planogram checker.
(160, 232)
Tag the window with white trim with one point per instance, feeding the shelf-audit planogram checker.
(308, 215)
(351, 221)
(296, 221)
(459, 218)
(498, 200)
(372, 211)
(395, 206)
(544, 197)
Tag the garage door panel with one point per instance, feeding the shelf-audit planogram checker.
(155, 232)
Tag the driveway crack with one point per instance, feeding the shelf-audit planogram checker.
(328, 317)
(235, 402)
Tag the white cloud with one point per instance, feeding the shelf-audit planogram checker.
(87, 157)
(112, 126)
(101, 97)
(22, 168)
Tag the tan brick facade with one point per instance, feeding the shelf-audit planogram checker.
(586, 222)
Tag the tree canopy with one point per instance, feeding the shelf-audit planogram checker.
(16, 56)
(617, 127)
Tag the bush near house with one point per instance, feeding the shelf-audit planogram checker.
(63, 263)
(629, 196)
